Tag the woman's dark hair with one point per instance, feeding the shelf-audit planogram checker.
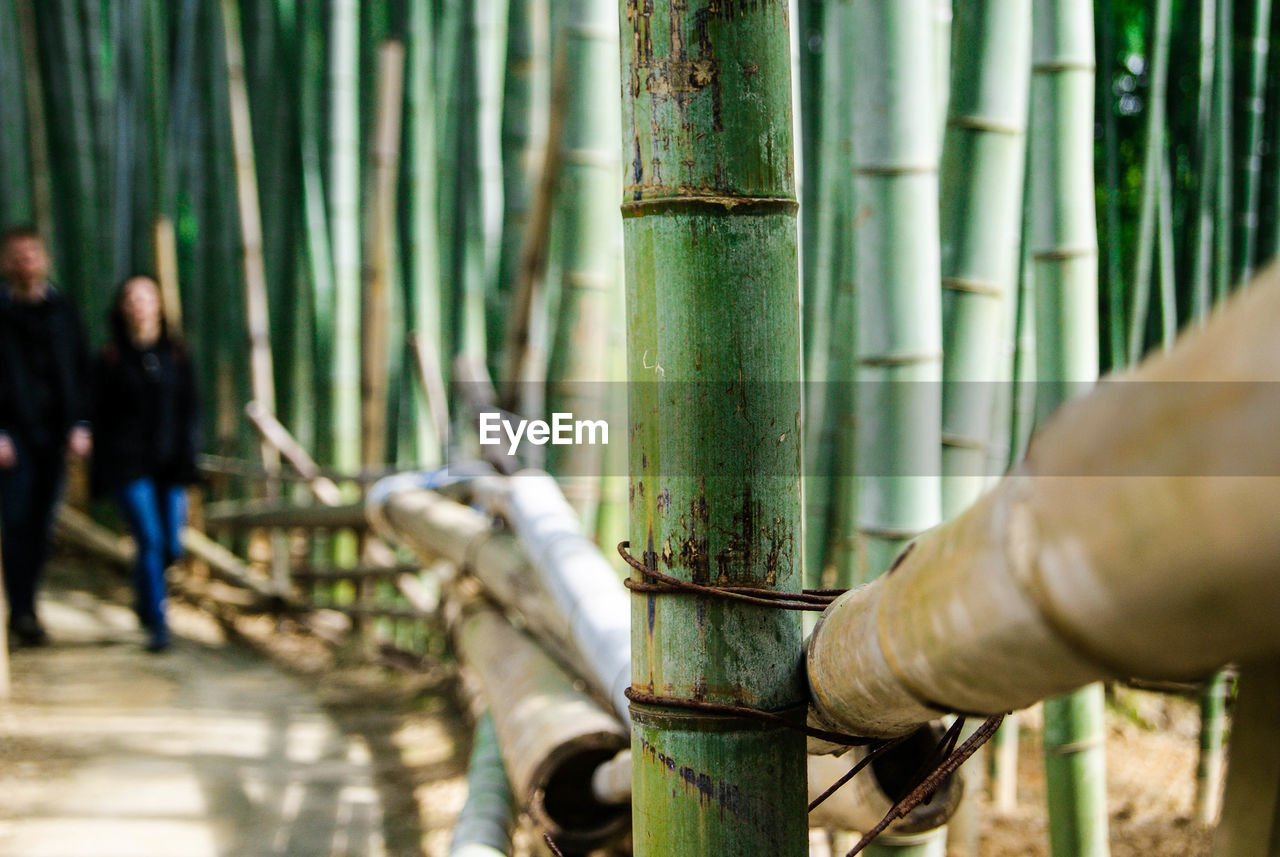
(115, 315)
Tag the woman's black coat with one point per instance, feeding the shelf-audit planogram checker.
(146, 415)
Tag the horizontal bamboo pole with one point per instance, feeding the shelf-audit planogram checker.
(280, 513)
(273, 432)
(360, 572)
(1138, 538)
(435, 527)
(551, 735)
(75, 528)
(593, 605)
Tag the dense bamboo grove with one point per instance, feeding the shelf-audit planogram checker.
(353, 203)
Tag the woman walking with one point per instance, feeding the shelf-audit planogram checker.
(146, 425)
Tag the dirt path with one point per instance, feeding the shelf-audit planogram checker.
(204, 750)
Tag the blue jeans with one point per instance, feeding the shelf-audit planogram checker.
(156, 513)
(28, 493)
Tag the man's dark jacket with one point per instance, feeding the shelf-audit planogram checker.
(70, 372)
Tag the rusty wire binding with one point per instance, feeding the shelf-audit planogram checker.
(945, 760)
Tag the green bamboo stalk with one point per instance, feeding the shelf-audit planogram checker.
(16, 205)
(896, 261)
(811, 60)
(315, 224)
(589, 224)
(1210, 765)
(423, 271)
(37, 142)
(981, 223)
(1206, 158)
(1253, 135)
(826, 308)
(943, 15)
(713, 345)
(448, 34)
(524, 106)
(490, 21)
(1224, 93)
(89, 35)
(344, 228)
(485, 821)
(898, 397)
(1116, 354)
(981, 216)
(80, 198)
(380, 251)
(1152, 171)
(1168, 273)
(1064, 250)
(1250, 825)
(466, 262)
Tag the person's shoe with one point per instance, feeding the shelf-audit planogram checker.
(28, 631)
(159, 642)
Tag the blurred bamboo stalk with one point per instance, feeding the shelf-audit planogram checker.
(374, 366)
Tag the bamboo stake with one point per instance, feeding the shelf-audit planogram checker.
(1250, 825)
(1136, 539)
(431, 382)
(710, 241)
(484, 824)
(374, 365)
(4, 652)
(274, 433)
(1210, 765)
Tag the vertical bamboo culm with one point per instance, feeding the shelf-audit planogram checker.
(1064, 252)
(344, 228)
(713, 342)
(896, 261)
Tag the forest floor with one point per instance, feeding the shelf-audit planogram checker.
(253, 738)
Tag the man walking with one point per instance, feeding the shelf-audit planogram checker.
(44, 410)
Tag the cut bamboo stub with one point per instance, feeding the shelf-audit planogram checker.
(552, 735)
(1132, 541)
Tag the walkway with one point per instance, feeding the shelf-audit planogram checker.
(204, 751)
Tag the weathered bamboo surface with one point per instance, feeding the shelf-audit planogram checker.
(551, 734)
(437, 527)
(281, 513)
(1138, 538)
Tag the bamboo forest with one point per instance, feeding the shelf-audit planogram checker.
(670, 428)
